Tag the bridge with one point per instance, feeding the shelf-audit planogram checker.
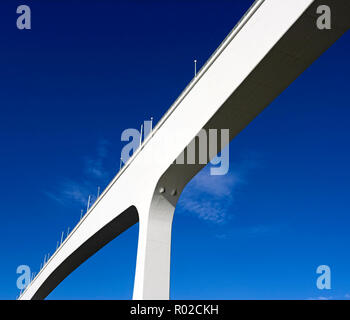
(273, 43)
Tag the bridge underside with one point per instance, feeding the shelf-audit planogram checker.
(113, 229)
(302, 44)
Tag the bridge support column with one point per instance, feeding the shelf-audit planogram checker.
(152, 276)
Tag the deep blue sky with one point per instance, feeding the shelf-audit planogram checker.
(90, 69)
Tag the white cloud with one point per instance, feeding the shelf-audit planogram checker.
(75, 191)
(68, 190)
(240, 232)
(211, 197)
(94, 165)
(260, 230)
(207, 210)
(320, 298)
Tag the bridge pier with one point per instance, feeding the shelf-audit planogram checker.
(152, 276)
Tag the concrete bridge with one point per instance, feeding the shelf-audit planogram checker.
(273, 43)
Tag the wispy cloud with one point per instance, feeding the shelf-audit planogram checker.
(211, 197)
(261, 230)
(75, 191)
(94, 165)
(69, 191)
(249, 231)
(334, 297)
(320, 298)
